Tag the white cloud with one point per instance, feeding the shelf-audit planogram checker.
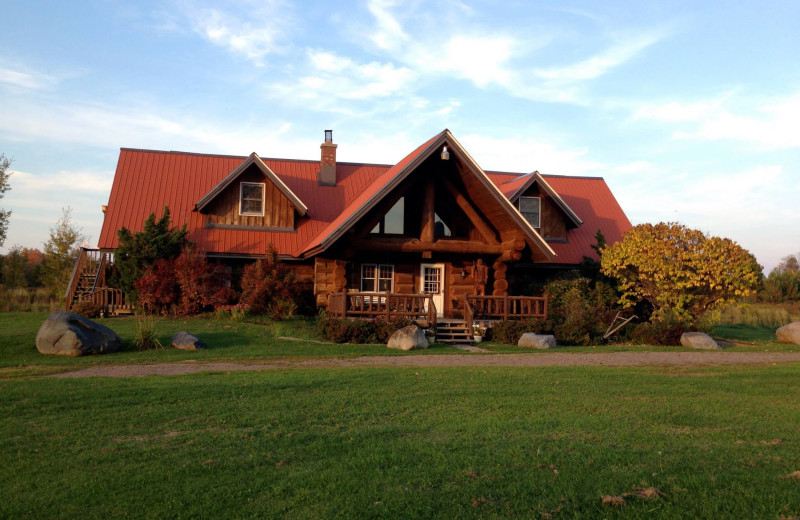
(389, 32)
(252, 29)
(25, 79)
(603, 62)
(771, 124)
(526, 155)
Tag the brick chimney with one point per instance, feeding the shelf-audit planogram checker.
(327, 171)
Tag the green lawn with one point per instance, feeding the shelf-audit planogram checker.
(258, 339)
(485, 442)
(405, 443)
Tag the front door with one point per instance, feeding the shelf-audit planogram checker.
(431, 279)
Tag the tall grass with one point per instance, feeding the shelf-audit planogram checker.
(29, 300)
(759, 314)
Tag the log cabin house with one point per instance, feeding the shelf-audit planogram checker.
(432, 237)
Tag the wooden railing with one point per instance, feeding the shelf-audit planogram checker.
(112, 300)
(387, 305)
(506, 307)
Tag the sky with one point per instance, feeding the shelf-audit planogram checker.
(690, 110)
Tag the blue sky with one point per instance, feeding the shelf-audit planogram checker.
(689, 110)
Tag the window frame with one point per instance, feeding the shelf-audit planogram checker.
(525, 214)
(242, 199)
(376, 278)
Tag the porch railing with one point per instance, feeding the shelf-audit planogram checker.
(387, 305)
(112, 300)
(506, 307)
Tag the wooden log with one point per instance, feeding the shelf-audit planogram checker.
(498, 292)
(509, 256)
(499, 266)
(417, 246)
(500, 284)
(515, 244)
(499, 275)
(428, 214)
(472, 214)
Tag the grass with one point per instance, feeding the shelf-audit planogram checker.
(258, 338)
(28, 300)
(485, 442)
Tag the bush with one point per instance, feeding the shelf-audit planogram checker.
(579, 312)
(509, 332)
(665, 331)
(188, 284)
(267, 281)
(383, 329)
(340, 330)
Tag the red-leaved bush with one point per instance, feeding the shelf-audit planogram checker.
(269, 286)
(189, 284)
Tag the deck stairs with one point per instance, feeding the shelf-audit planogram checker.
(453, 331)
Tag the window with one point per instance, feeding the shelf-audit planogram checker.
(251, 199)
(377, 278)
(392, 222)
(530, 208)
(432, 280)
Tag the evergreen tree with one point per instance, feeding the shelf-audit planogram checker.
(137, 252)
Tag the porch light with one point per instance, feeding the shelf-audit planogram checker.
(463, 273)
(445, 153)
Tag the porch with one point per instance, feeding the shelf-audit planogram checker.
(421, 308)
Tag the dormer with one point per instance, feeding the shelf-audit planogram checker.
(252, 197)
(544, 209)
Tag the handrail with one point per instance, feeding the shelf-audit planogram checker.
(508, 307)
(69, 294)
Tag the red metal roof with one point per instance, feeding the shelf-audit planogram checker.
(146, 181)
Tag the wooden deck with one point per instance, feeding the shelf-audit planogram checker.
(88, 284)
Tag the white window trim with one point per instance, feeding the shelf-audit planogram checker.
(538, 215)
(263, 197)
(377, 279)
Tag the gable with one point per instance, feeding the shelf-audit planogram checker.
(253, 163)
(269, 207)
(459, 174)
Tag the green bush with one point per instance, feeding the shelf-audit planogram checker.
(509, 332)
(665, 331)
(340, 330)
(146, 337)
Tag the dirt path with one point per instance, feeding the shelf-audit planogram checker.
(611, 359)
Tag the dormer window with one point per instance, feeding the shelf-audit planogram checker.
(530, 207)
(251, 199)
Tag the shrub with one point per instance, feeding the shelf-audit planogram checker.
(281, 309)
(268, 280)
(383, 329)
(509, 332)
(340, 330)
(666, 330)
(578, 311)
(188, 284)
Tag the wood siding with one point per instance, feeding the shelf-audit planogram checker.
(278, 210)
(329, 276)
(552, 221)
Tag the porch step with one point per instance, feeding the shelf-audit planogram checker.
(453, 331)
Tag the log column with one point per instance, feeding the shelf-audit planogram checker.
(500, 287)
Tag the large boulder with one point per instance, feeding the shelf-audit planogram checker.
(699, 340)
(185, 341)
(408, 338)
(789, 333)
(540, 341)
(69, 334)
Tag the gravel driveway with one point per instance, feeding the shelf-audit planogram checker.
(611, 359)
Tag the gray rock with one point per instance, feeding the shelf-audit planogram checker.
(540, 341)
(408, 338)
(185, 341)
(789, 333)
(699, 340)
(69, 334)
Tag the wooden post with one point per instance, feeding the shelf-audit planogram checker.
(428, 215)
